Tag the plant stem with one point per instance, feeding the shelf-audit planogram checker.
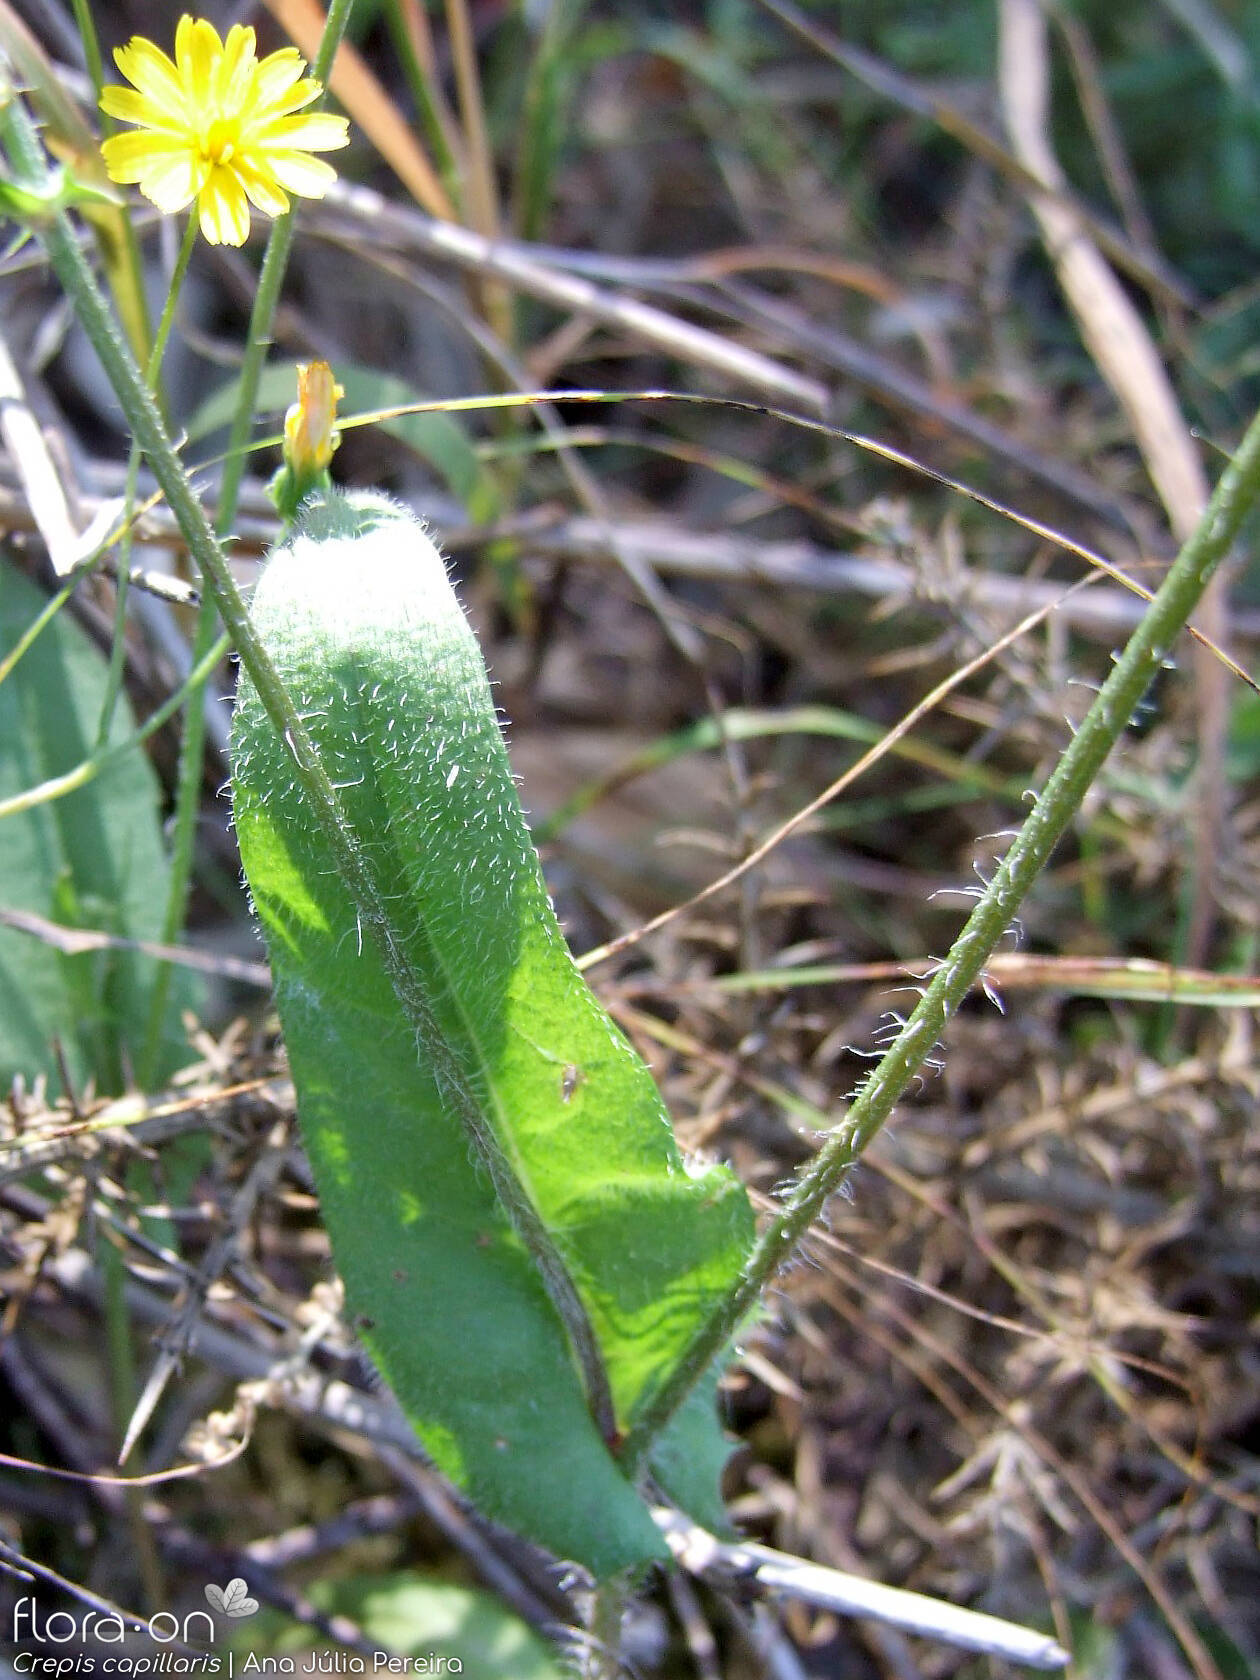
(89, 768)
(122, 1383)
(178, 275)
(118, 651)
(192, 745)
(270, 281)
(601, 1656)
(36, 629)
(91, 44)
(353, 864)
(425, 92)
(479, 186)
(117, 239)
(480, 194)
(1044, 826)
(543, 116)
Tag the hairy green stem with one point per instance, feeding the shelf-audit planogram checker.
(192, 745)
(1044, 826)
(270, 282)
(118, 652)
(354, 866)
(601, 1656)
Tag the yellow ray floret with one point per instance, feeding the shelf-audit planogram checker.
(218, 125)
(310, 426)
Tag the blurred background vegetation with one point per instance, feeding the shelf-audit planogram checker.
(1020, 1368)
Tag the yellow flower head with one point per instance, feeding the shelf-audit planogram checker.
(310, 434)
(218, 126)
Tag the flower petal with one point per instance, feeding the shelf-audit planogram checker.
(197, 56)
(300, 173)
(235, 71)
(261, 187)
(146, 67)
(224, 209)
(275, 75)
(132, 107)
(130, 157)
(320, 131)
(173, 181)
(300, 94)
(218, 125)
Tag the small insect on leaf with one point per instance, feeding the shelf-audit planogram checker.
(570, 1079)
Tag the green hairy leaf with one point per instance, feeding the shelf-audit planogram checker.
(357, 613)
(93, 859)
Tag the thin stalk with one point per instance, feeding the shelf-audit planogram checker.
(425, 91)
(119, 245)
(543, 118)
(91, 45)
(1044, 826)
(122, 1383)
(270, 282)
(178, 275)
(183, 832)
(353, 864)
(601, 1655)
(480, 191)
(117, 1318)
(480, 194)
(192, 746)
(89, 768)
(118, 650)
(33, 631)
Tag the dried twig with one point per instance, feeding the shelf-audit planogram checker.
(175, 1336)
(74, 940)
(352, 211)
(700, 1554)
(1117, 339)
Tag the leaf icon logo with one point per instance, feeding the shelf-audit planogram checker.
(232, 1600)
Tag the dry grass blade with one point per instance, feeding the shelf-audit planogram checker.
(40, 480)
(1133, 978)
(75, 940)
(504, 262)
(483, 197)
(1113, 330)
(1118, 341)
(1144, 266)
(758, 855)
(369, 104)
